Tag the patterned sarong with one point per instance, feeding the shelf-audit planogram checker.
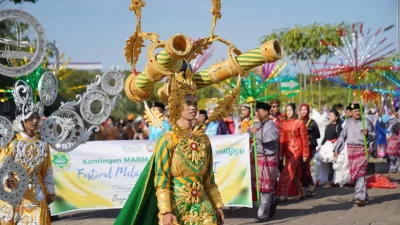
(267, 173)
(393, 147)
(357, 161)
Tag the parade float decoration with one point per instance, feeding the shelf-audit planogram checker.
(360, 53)
(66, 128)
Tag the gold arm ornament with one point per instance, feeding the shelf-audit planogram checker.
(215, 197)
(164, 201)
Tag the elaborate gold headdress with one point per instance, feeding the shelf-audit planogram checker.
(181, 85)
(173, 62)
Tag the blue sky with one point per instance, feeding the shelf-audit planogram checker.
(96, 30)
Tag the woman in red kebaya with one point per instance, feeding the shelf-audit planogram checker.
(294, 146)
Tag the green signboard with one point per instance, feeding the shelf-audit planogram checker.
(290, 85)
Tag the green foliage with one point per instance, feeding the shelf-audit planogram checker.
(8, 30)
(303, 43)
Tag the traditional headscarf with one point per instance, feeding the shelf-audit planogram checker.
(308, 111)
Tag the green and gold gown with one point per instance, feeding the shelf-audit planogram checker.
(178, 178)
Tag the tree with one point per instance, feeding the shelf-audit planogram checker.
(302, 44)
(7, 29)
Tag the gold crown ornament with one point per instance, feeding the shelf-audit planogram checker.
(180, 85)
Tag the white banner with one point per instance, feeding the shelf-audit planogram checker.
(101, 174)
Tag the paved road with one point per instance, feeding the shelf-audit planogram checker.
(328, 207)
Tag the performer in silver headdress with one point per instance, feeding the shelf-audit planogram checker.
(29, 150)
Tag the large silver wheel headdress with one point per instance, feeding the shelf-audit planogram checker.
(65, 130)
(14, 195)
(35, 59)
(23, 97)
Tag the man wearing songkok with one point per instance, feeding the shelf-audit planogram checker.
(353, 135)
(267, 147)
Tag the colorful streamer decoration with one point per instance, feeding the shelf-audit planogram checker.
(253, 86)
(368, 95)
(269, 69)
(389, 76)
(199, 61)
(359, 53)
(383, 91)
(396, 100)
(344, 84)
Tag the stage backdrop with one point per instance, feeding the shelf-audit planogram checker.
(101, 174)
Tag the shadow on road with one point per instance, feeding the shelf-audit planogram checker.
(336, 199)
(104, 214)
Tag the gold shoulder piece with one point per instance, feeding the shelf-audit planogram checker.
(172, 140)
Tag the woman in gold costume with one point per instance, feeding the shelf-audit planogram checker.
(28, 149)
